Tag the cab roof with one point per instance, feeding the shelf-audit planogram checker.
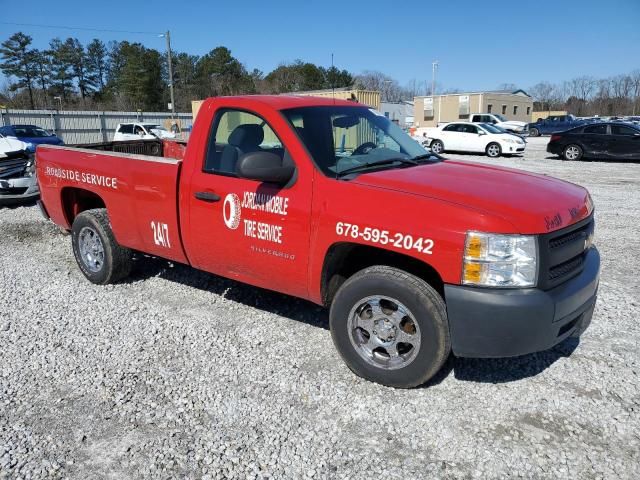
(283, 102)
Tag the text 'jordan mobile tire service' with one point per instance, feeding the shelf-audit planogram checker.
(415, 256)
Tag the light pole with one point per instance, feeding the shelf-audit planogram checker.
(167, 36)
(434, 67)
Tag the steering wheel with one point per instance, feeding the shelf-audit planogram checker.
(365, 148)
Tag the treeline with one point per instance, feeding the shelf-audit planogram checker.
(585, 96)
(129, 76)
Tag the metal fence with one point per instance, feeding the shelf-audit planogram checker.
(86, 126)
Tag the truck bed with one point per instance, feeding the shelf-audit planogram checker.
(138, 190)
(155, 148)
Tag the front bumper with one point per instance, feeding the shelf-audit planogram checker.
(16, 190)
(513, 148)
(491, 322)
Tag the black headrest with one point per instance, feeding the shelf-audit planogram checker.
(246, 135)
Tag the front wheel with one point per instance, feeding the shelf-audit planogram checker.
(390, 327)
(437, 147)
(100, 258)
(572, 152)
(493, 150)
(534, 132)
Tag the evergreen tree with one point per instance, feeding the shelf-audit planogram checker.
(18, 61)
(97, 63)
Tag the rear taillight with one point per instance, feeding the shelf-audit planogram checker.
(555, 138)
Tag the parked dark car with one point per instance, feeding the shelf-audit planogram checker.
(32, 135)
(553, 124)
(598, 141)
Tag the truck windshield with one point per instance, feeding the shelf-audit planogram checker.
(344, 138)
(500, 117)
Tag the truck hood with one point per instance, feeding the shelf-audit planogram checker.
(531, 203)
(512, 123)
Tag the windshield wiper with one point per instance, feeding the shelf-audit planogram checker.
(387, 161)
(435, 157)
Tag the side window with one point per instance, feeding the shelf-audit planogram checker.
(451, 128)
(235, 133)
(126, 128)
(622, 130)
(470, 129)
(599, 129)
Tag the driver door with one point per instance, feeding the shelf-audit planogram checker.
(244, 229)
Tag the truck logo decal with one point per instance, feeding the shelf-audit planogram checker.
(385, 237)
(231, 211)
(82, 177)
(553, 222)
(161, 234)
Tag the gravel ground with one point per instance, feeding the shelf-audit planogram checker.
(181, 374)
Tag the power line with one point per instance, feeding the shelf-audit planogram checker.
(77, 28)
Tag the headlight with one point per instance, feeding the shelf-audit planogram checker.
(30, 168)
(509, 140)
(497, 260)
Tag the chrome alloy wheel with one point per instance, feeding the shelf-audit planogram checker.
(91, 249)
(572, 152)
(493, 150)
(384, 332)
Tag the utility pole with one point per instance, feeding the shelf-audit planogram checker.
(434, 67)
(173, 100)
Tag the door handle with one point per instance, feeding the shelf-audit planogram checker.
(207, 197)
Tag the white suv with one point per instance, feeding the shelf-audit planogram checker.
(141, 131)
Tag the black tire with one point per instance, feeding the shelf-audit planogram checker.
(534, 132)
(116, 261)
(572, 152)
(492, 151)
(439, 145)
(424, 303)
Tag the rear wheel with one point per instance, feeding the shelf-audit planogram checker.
(572, 152)
(493, 150)
(437, 146)
(100, 258)
(390, 327)
(534, 132)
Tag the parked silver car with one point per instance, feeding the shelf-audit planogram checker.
(18, 181)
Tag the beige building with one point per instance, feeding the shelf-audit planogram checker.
(431, 110)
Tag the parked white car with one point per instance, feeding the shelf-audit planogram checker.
(141, 131)
(475, 137)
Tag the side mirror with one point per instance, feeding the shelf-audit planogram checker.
(481, 132)
(265, 167)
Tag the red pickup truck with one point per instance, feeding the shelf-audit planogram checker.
(415, 255)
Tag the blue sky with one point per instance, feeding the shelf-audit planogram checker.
(480, 44)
